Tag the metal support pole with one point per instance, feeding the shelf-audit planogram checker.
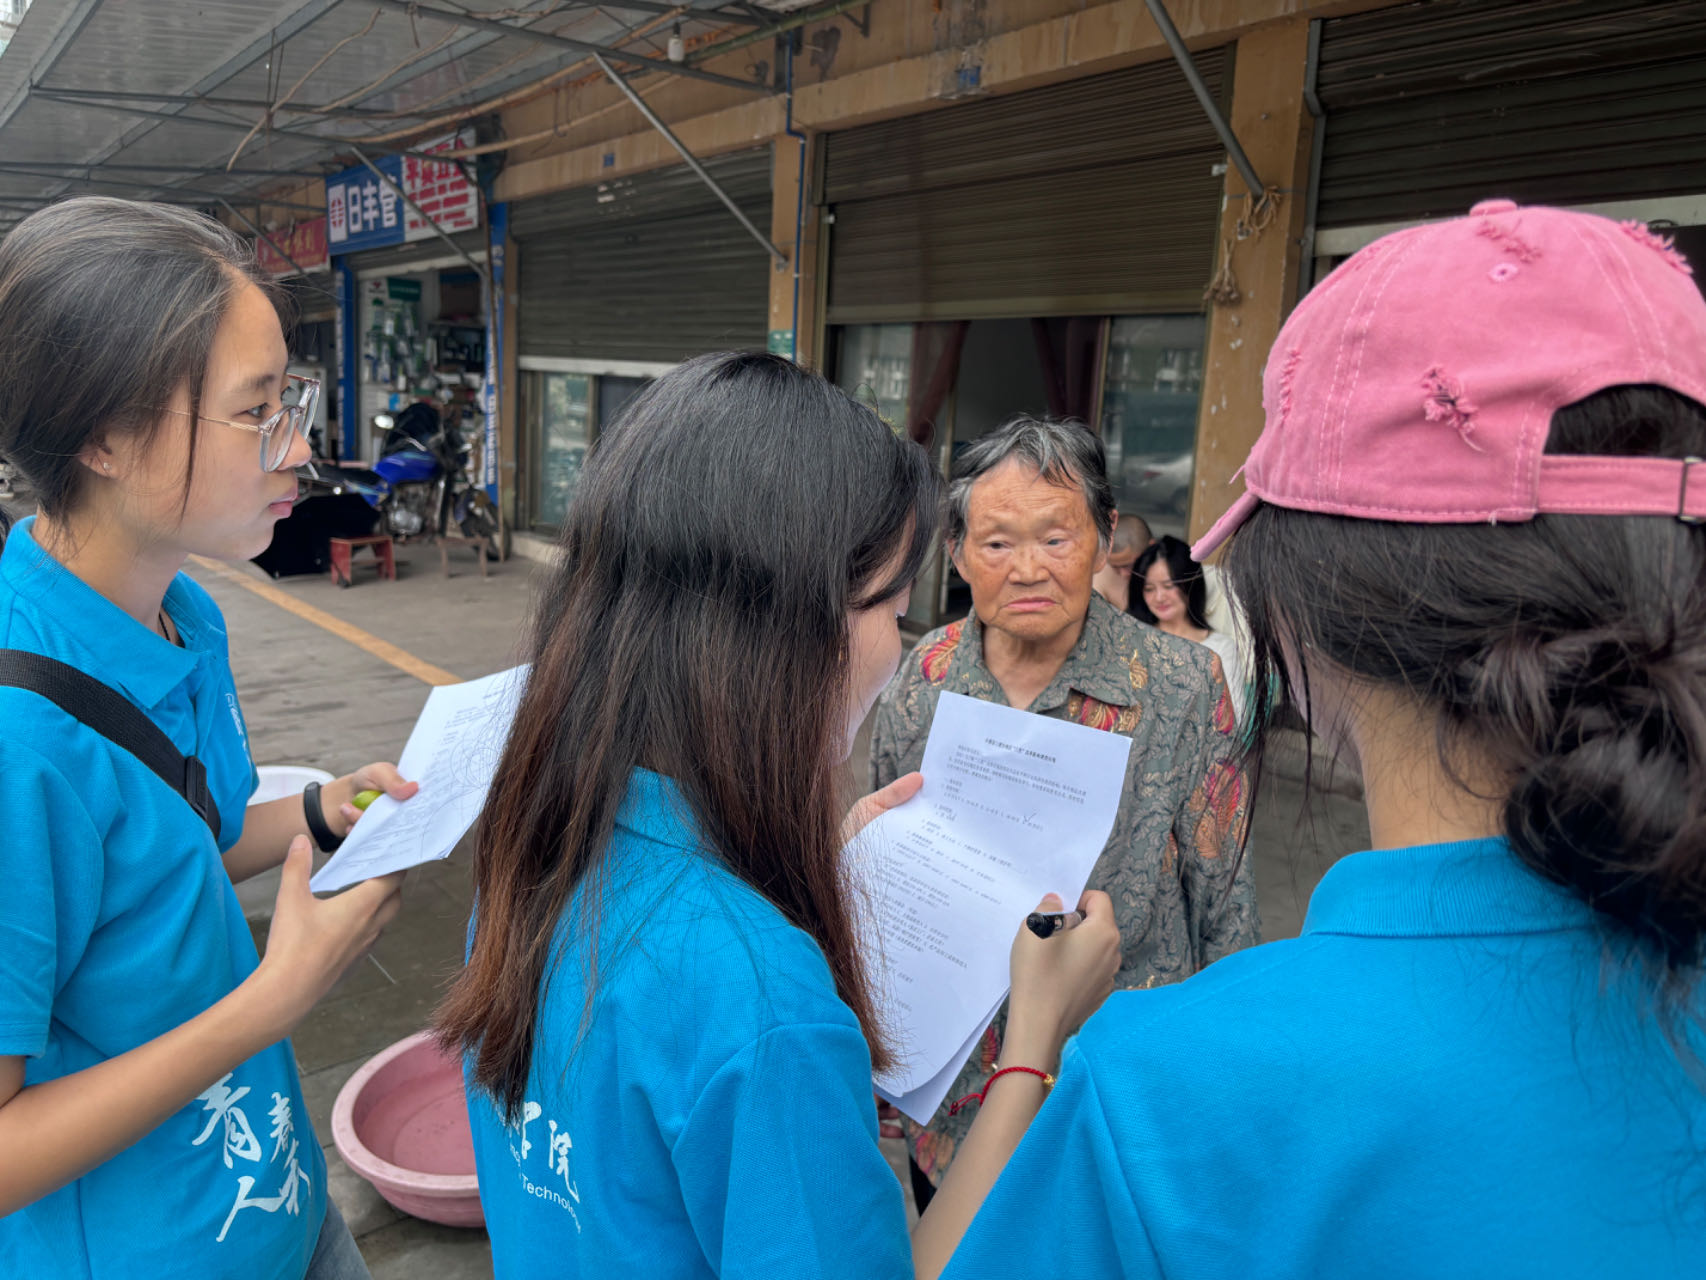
(237, 104)
(420, 213)
(325, 140)
(192, 192)
(276, 246)
(1182, 55)
(176, 117)
(1312, 198)
(93, 166)
(349, 410)
(42, 201)
(564, 42)
(491, 394)
(671, 10)
(692, 163)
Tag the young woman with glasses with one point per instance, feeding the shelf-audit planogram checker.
(151, 1118)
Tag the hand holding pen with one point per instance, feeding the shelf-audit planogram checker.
(1059, 977)
(1045, 924)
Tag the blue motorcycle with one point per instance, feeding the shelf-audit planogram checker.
(422, 483)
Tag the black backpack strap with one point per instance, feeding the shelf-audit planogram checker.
(117, 719)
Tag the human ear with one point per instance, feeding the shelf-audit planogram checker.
(97, 455)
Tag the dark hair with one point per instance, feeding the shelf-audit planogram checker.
(1569, 652)
(724, 528)
(1065, 453)
(1130, 534)
(1186, 573)
(107, 307)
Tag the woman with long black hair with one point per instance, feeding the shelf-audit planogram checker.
(1169, 590)
(670, 1026)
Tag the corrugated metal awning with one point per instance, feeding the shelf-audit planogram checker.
(151, 99)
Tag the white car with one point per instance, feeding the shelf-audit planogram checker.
(1155, 486)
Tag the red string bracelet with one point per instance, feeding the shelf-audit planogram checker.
(1045, 1077)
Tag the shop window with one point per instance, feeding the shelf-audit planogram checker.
(947, 382)
(875, 366)
(614, 391)
(1151, 389)
(561, 405)
(562, 414)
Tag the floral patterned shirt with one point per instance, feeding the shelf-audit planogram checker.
(1183, 895)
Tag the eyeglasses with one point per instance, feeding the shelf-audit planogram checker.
(279, 432)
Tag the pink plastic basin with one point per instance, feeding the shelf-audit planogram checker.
(402, 1123)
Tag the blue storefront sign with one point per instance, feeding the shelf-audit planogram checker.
(361, 211)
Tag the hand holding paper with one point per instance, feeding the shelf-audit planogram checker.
(453, 753)
(1013, 806)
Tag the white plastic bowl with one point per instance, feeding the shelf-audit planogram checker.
(281, 780)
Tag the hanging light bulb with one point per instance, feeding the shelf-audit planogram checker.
(677, 49)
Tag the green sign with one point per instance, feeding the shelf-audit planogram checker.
(781, 343)
(403, 290)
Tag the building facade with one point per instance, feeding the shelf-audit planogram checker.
(967, 209)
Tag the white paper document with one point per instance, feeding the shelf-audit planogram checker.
(453, 753)
(924, 1099)
(1013, 806)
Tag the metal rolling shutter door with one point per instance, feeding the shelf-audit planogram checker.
(1089, 197)
(648, 268)
(1433, 106)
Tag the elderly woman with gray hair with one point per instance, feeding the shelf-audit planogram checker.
(1029, 520)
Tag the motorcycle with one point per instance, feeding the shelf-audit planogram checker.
(422, 482)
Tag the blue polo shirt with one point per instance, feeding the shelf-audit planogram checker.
(1451, 1073)
(711, 1114)
(117, 924)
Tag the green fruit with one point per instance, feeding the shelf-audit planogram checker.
(364, 798)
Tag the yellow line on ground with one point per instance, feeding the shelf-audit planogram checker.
(366, 641)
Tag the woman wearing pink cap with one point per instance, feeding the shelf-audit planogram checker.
(1472, 549)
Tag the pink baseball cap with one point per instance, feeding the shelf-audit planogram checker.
(1417, 382)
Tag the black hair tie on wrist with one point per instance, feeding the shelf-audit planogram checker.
(316, 815)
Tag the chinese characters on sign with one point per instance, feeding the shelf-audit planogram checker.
(363, 212)
(304, 242)
(440, 190)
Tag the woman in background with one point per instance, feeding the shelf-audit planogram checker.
(1169, 591)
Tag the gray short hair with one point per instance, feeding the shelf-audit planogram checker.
(1062, 452)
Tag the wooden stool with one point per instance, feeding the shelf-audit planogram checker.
(342, 549)
(447, 540)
